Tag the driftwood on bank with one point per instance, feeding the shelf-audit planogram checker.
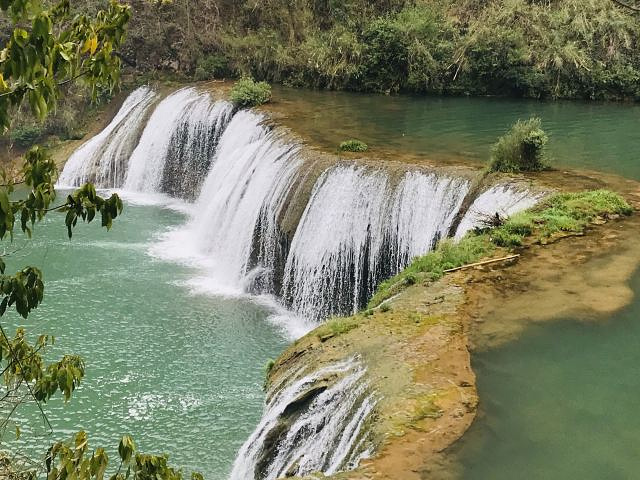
(486, 262)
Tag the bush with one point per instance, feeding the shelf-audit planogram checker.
(211, 66)
(248, 93)
(353, 146)
(385, 62)
(522, 149)
(26, 135)
(385, 307)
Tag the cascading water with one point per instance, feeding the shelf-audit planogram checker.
(176, 148)
(357, 230)
(359, 226)
(102, 160)
(311, 424)
(241, 200)
(504, 200)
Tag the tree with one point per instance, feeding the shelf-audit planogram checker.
(47, 50)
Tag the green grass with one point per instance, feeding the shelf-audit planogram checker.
(448, 254)
(353, 146)
(558, 214)
(337, 326)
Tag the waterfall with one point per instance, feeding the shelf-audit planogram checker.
(357, 230)
(240, 202)
(311, 424)
(177, 145)
(359, 226)
(102, 160)
(504, 200)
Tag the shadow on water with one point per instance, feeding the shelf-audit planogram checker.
(559, 403)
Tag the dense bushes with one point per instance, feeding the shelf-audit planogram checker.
(211, 66)
(558, 49)
(522, 149)
(246, 92)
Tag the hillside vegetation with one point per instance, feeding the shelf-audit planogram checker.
(586, 49)
(528, 48)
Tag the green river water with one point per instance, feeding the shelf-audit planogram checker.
(560, 402)
(600, 136)
(183, 373)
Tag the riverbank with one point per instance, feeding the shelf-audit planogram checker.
(417, 347)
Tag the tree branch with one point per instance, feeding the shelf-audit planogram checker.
(626, 5)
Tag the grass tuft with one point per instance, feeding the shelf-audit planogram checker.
(246, 93)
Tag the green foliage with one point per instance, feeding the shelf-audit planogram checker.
(248, 93)
(212, 66)
(385, 61)
(26, 135)
(50, 48)
(522, 149)
(74, 461)
(448, 254)
(385, 307)
(558, 214)
(353, 146)
(569, 49)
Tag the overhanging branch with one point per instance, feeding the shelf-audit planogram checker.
(627, 6)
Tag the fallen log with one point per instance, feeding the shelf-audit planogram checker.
(486, 262)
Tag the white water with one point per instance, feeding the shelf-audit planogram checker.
(359, 227)
(239, 204)
(326, 435)
(423, 209)
(505, 200)
(103, 158)
(357, 230)
(186, 119)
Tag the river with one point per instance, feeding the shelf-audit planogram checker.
(181, 369)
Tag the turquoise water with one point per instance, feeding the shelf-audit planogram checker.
(181, 373)
(559, 403)
(601, 136)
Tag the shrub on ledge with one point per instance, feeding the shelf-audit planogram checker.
(246, 93)
(522, 149)
(353, 146)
